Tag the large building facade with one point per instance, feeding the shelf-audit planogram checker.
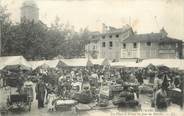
(29, 11)
(153, 45)
(108, 44)
(123, 44)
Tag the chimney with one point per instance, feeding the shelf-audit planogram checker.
(163, 32)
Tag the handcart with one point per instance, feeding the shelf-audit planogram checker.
(18, 102)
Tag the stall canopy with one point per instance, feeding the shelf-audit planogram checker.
(36, 64)
(171, 63)
(47, 63)
(12, 61)
(80, 62)
(124, 64)
(100, 61)
(52, 63)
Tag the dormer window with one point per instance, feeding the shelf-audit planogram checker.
(110, 36)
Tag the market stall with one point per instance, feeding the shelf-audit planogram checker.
(13, 60)
(124, 64)
(15, 76)
(80, 62)
(102, 61)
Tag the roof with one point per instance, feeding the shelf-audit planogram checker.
(97, 36)
(50, 63)
(30, 3)
(35, 64)
(118, 30)
(172, 63)
(13, 60)
(124, 64)
(101, 61)
(77, 62)
(150, 37)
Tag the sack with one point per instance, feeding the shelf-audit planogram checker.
(85, 97)
(132, 103)
(103, 102)
(119, 100)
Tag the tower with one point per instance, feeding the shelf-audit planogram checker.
(29, 11)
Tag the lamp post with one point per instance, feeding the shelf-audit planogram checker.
(1, 20)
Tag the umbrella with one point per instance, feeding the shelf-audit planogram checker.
(164, 69)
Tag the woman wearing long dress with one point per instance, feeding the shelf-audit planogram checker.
(161, 95)
(28, 89)
(40, 93)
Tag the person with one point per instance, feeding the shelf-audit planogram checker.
(1, 81)
(40, 93)
(177, 82)
(176, 96)
(134, 82)
(49, 88)
(20, 84)
(161, 96)
(151, 72)
(140, 77)
(51, 98)
(79, 77)
(157, 85)
(28, 88)
(94, 79)
(127, 98)
(132, 79)
(158, 82)
(72, 74)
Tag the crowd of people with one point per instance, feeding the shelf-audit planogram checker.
(103, 83)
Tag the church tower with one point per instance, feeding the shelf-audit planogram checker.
(29, 11)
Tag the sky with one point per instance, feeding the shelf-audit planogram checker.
(145, 16)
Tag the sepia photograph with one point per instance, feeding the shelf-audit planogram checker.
(91, 57)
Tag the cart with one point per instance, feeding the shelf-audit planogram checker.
(19, 102)
(19, 99)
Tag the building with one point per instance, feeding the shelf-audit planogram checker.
(29, 11)
(151, 45)
(107, 44)
(183, 50)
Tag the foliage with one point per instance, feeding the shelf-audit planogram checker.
(35, 40)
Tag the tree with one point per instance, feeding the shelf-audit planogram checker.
(36, 40)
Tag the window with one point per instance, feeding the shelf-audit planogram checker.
(148, 43)
(110, 43)
(110, 36)
(103, 37)
(124, 46)
(94, 47)
(117, 36)
(135, 45)
(176, 45)
(103, 44)
(93, 37)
